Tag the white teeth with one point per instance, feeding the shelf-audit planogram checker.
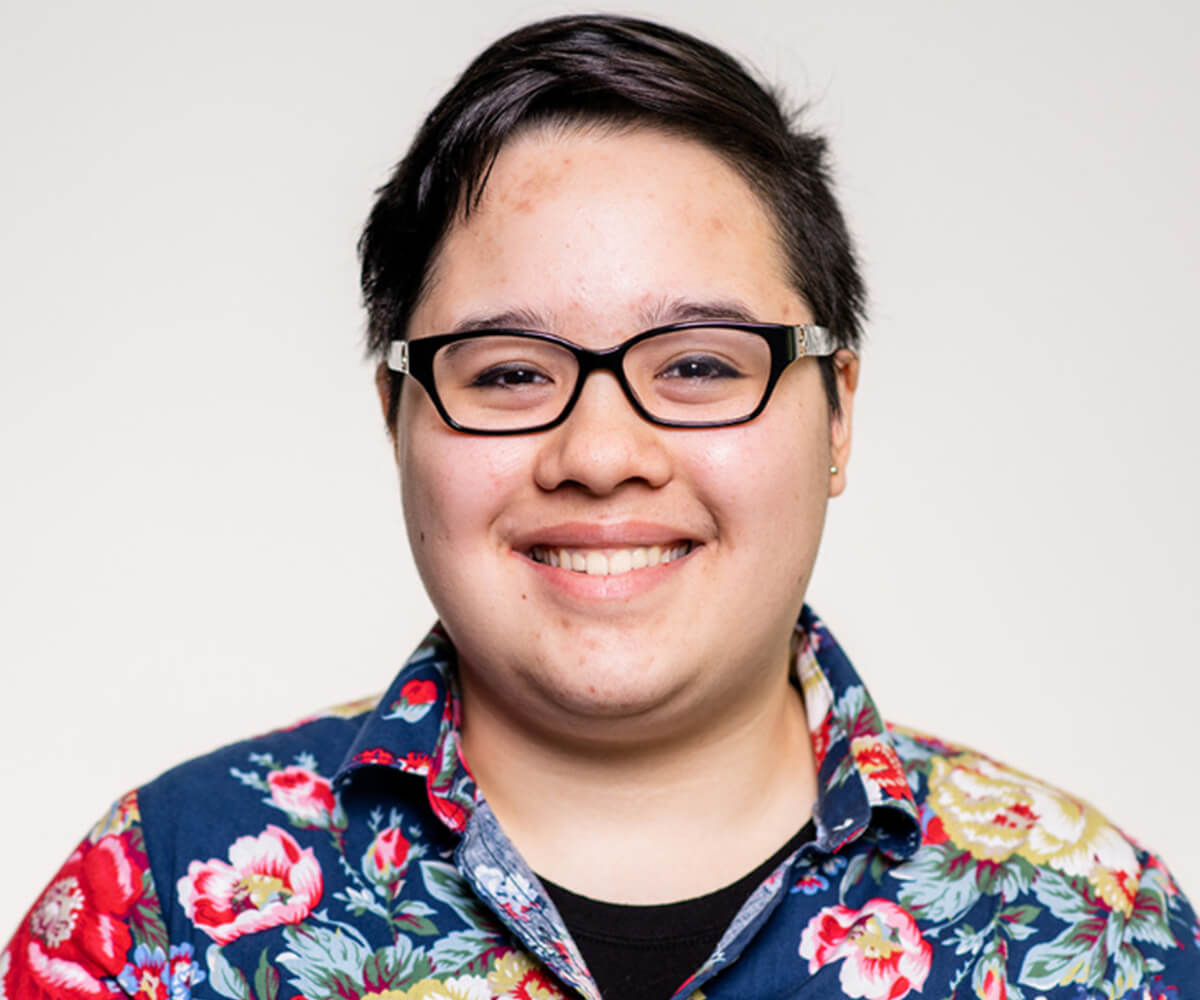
(595, 563)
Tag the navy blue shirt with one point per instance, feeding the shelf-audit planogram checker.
(352, 856)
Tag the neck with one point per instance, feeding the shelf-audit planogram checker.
(649, 821)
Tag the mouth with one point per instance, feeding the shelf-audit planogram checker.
(611, 561)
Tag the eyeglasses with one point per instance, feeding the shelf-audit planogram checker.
(698, 374)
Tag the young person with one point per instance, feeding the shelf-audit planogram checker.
(615, 308)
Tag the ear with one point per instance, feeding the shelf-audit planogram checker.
(845, 365)
(383, 387)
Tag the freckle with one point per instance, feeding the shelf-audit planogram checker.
(523, 597)
(422, 536)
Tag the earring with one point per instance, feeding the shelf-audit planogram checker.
(833, 470)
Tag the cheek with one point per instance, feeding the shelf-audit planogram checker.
(454, 486)
(762, 477)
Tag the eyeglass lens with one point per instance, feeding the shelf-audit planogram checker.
(698, 375)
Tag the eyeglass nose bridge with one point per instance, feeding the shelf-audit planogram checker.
(609, 359)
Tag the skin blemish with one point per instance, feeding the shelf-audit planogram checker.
(536, 184)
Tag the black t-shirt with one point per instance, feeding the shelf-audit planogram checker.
(646, 952)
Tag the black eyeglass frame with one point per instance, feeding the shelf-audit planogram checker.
(787, 343)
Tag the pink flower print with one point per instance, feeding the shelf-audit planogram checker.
(267, 881)
(305, 796)
(386, 859)
(883, 953)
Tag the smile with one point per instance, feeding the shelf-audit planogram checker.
(611, 562)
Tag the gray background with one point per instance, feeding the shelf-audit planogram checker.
(199, 531)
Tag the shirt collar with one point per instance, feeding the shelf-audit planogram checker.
(415, 729)
(861, 784)
(862, 787)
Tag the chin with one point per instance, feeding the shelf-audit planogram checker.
(639, 692)
(602, 687)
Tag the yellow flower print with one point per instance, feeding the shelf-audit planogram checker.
(515, 976)
(454, 988)
(995, 813)
(121, 815)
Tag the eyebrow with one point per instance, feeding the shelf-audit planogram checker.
(661, 313)
(681, 310)
(509, 319)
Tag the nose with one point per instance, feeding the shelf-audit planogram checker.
(603, 444)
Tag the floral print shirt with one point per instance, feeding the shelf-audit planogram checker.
(351, 857)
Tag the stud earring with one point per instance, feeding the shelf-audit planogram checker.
(833, 470)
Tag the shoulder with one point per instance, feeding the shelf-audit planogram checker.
(1079, 901)
(263, 801)
(102, 924)
(284, 774)
(996, 812)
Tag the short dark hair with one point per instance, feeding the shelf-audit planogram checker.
(624, 72)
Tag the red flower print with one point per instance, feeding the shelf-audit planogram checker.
(880, 767)
(304, 795)
(386, 859)
(883, 953)
(416, 762)
(448, 811)
(820, 740)
(74, 936)
(990, 979)
(933, 831)
(375, 755)
(416, 699)
(994, 986)
(419, 692)
(147, 976)
(268, 881)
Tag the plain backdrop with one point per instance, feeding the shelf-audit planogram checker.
(200, 535)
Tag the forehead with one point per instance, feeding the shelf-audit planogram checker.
(577, 222)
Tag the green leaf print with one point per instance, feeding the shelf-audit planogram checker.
(266, 979)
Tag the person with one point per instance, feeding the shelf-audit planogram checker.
(616, 309)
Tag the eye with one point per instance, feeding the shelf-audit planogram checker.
(699, 367)
(509, 376)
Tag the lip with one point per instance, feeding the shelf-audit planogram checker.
(600, 535)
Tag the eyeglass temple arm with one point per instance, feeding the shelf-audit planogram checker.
(811, 341)
(397, 356)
